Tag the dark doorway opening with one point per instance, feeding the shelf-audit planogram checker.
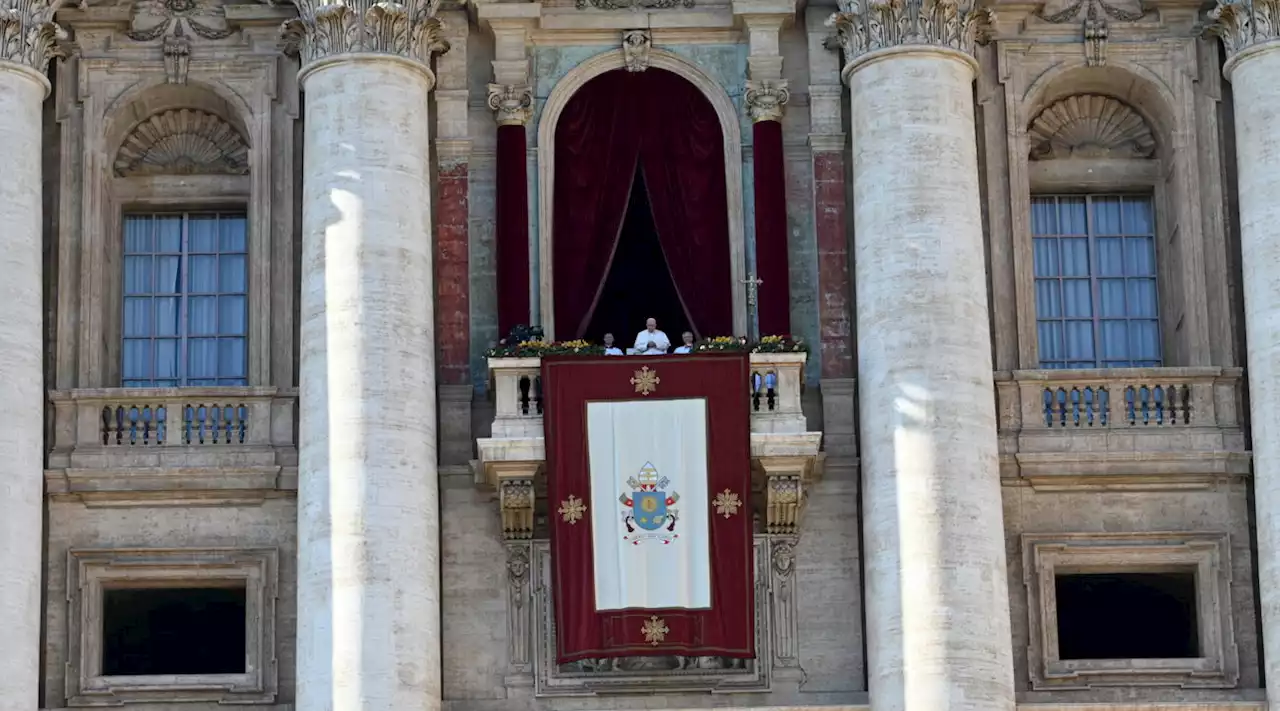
(639, 284)
(173, 631)
(1127, 616)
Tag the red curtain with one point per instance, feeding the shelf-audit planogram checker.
(511, 238)
(658, 121)
(771, 229)
(727, 628)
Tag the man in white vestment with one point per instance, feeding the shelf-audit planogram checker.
(687, 346)
(651, 341)
(609, 348)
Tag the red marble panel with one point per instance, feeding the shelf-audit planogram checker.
(835, 318)
(453, 318)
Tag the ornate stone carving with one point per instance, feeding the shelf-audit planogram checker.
(1096, 30)
(633, 4)
(1090, 126)
(864, 26)
(177, 57)
(512, 104)
(635, 49)
(786, 646)
(1244, 23)
(519, 601)
(765, 102)
(326, 28)
(175, 18)
(784, 497)
(516, 496)
(28, 34)
(183, 142)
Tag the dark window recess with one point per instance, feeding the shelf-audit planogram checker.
(1127, 616)
(173, 631)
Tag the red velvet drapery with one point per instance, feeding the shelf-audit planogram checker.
(664, 125)
(771, 229)
(511, 228)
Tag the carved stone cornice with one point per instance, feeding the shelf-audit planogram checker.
(766, 100)
(512, 105)
(329, 28)
(28, 34)
(1243, 24)
(865, 26)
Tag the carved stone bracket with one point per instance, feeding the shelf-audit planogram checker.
(1242, 24)
(865, 26)
(512, 105)
(1096, 29)
(177, 57)
(785, 490)
(766, 100)
(516, 497)
(28, 34)
(326, 28)
(635, 49)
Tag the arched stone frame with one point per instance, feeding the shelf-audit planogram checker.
(1168, 177)
(107, 196)
(731, 130)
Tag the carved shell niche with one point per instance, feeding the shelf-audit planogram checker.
(183, 142)
(1090, 126)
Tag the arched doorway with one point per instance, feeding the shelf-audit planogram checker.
(641, 222)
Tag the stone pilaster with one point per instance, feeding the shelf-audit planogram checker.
(1250, 31)
(27, 43)
(937, 599)
(368, 511)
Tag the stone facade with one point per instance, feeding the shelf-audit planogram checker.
(378, 484)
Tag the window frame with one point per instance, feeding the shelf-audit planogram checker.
(1094, 276)
(184, 295)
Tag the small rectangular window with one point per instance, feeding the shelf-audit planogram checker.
(186, 309)
(1095, 281)
(1127, 616)
(155, 631)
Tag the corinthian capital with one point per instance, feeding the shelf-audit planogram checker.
(326, 28)
(766, 99)
(511, 103)
(1242, 24)
(28, 35)
(864, 26)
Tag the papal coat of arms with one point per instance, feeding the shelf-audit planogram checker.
(649, 508)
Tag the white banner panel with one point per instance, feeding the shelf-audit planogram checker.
(649, 504)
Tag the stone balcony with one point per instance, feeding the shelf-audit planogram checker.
(1124, 428)
(205, 439)
(785, 455)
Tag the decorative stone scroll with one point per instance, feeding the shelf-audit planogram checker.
(1090, 126)
(1096, 29)
(766, 99)
(635, 49)
(1242, 24)
(183, 142)
(512, 105)
(516, 496)
(326, 28)
(28, 34)
(864, 26)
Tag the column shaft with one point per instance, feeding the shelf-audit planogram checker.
(1257, 117)
(368, 512)
(937, 602)
(22, 91)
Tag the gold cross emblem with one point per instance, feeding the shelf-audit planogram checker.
(727, 503)
(572, 509)
(646, 381)
(655, 630)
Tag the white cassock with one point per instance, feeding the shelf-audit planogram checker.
(683, 349)
(660, 341)
(613, 350)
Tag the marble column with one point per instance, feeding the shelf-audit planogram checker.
(1250, 32)
(938, 632)
(23, 88)
(368, 510)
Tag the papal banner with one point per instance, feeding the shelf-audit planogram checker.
(649, 478)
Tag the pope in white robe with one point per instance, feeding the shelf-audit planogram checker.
(651, 341)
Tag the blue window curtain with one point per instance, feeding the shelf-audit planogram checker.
(185, 300)
(1095, 281)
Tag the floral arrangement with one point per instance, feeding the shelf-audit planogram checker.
(537, 349)
(722, 344)
(526, 342)
(780, 344)
(768, 344)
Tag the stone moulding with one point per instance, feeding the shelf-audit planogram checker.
(28, 34)
(325, 29)
(183, 142)
(1242, 24)
(865, 26)
(1090, 126)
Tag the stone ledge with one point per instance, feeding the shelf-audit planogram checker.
(1122, 471)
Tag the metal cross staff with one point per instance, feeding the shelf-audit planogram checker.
(753, 285)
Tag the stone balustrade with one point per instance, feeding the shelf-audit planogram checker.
(1122, 422)
(172, 427)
